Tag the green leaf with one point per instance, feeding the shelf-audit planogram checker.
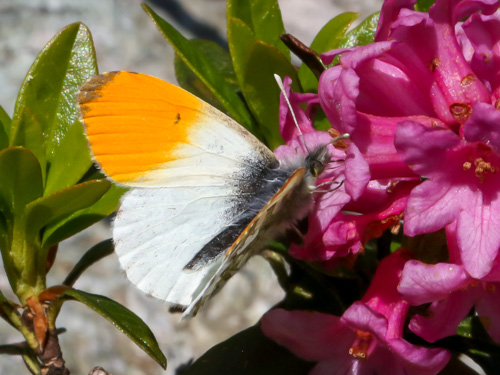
(190, 81)
(424, 5)
(465, 327)
(21, 180)
(240, 38)
(79, 220)
(4, 128)
(123, 319)
(7, 309)
(263, 18)
(205, 69)
(94, 254)
(46, 114)
(260, 88)
(247, 353)
(71, 159)
(321, 122)
(363, 34)
(328, 38)
(26, 131)
(61, 203)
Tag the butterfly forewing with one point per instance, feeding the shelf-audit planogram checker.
(192, 168)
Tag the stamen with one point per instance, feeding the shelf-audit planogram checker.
(396, 228)
(483, 167)
(359, 349)
(338, 139)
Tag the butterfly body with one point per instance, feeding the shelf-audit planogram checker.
(206, 194)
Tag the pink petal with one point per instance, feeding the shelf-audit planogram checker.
(374, 136)
(422, 283)
(420, 360)
(444, 316)
(431, 206)
(456, 86)
(483, 33)
(361, 317)
(483, 126)
(488, 309)
(382, 199)
(389, 14)
(310, 335)
(478, 241)
(424, 148)
(288, 128)
(337, 90)
(357, 172)
(295, 151)
(465, 8)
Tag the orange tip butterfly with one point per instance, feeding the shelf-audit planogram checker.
(205, 193)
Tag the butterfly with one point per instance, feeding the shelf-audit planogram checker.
(205, 193)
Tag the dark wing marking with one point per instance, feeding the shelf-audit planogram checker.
(253, 238)
(251, 198)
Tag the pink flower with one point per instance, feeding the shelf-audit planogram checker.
(421, 102)
(371, 207)
(368, 337)
(453, 293)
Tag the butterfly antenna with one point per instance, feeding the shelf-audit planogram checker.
(341, 137)
(282, 89)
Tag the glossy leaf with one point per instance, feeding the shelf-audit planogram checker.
(4, 128)
(94, 254)
(247, 353)
(205, 69)
(263, 17)
(363, 34)
(123, 319)
(26, 131)
(64, 202)
(190, 81)
(46, 114)
(260, 88)
(240, 38)
(328, 38)
(79, 220)
(21, 180)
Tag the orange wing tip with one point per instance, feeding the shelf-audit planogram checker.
(136, 123)
(90, 89)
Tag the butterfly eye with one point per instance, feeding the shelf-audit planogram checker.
(316, 168)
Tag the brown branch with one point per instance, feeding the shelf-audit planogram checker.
(51, 357)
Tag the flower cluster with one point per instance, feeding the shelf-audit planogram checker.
(421, 107)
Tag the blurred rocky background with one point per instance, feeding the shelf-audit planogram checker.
(126, 39)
